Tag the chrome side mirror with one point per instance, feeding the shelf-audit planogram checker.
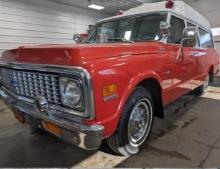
(165, 29)
(76, 38)
(190, 32)
(189, 39)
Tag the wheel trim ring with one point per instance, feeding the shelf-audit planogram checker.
(148, 124)
(142, 125)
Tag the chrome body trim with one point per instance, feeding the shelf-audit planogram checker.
(73, 131)
(63, 71)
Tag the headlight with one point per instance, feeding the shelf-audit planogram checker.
(71, 93)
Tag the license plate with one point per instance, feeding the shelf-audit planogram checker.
(52, 128)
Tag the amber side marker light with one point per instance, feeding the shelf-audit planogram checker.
(53, 128)
(110, 92)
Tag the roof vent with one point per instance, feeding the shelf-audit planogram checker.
(169, 4)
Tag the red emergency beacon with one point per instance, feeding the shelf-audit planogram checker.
(169, 4)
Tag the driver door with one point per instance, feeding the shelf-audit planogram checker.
(182, 65)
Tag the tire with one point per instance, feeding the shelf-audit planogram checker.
(203, 88)
(135, 124)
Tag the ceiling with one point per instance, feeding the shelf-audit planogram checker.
(210, 9)
(111, 6)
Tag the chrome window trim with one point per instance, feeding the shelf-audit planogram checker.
(69, 71)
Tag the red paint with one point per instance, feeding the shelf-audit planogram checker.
(126, 65)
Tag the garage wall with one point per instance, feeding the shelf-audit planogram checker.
(41, 22)
(217, 43)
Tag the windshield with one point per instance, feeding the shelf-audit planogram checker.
(142, 28)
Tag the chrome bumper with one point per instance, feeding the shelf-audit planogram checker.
(72, 130)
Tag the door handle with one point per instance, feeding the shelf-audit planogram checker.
(167, 72)
(195, 53)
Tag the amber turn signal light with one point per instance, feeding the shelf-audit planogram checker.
(53, 128)
(109, 90)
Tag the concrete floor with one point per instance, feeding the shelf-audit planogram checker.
(189, 136)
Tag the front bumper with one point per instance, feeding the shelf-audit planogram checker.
(72, 131)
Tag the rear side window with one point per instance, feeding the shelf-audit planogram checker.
(177, 26)
(205, 39)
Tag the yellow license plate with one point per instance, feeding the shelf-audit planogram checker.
(52, 128)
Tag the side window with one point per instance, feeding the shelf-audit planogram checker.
(177, 26)
(148, 27)
(205, 39)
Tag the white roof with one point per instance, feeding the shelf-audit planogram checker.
(180, 8)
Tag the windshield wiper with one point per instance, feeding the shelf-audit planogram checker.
(120, 40)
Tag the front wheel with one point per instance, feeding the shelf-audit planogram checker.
(135, 123)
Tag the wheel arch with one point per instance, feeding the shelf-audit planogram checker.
(155, 89)
(151, 81)
(146, 80)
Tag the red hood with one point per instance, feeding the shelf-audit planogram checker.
(76, 55)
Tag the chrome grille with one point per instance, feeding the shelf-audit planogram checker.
(32, 84)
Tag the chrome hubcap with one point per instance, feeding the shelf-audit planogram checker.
(140, 122)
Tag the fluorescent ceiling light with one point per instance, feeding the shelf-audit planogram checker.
(97, 7)
(216, 31)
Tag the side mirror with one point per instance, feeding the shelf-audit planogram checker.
(76, 38)
(165, 29)
(189, 37)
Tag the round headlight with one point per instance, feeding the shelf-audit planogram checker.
(71, 92)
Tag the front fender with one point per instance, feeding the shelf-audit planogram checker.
(111, 111)
(134, 83)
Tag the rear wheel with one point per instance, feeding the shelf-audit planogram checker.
(206, 83)
(203, 88)
(135, 123)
